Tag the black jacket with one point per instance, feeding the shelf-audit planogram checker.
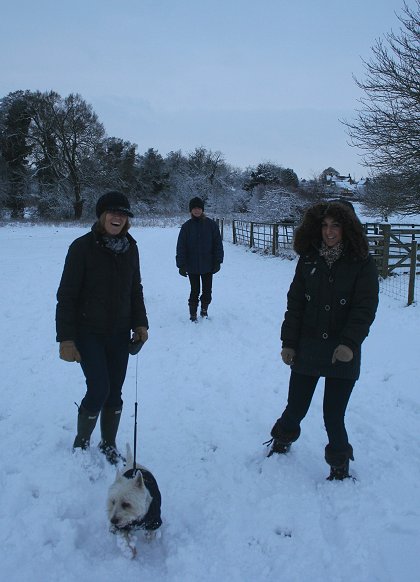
(199, 247)
(327, 307)
(100, 291)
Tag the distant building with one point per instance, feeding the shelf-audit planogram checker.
(344, 186)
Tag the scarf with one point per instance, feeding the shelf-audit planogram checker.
(331, 254)
(117, 245)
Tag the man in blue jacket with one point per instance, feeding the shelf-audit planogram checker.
(199, 254)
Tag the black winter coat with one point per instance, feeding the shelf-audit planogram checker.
(100, 291)
(327, 307)
(199, 247)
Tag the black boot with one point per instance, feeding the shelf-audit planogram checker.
(339, 463)
(193, 311)
(281, 440)
(86, 422)
(110, 420)
(203, 310)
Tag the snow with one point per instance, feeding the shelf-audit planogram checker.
(208, 395)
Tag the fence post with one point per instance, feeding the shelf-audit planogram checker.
(251, 235)
(386, 230)
(234, 232)
(412, 279)
(275, 238)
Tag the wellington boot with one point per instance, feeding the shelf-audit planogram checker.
(193, 311)
(110, 420)
(204, 310)
(86, 422)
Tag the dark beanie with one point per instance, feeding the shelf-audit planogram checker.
(196, 203)
(113, 201)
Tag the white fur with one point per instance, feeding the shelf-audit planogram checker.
(128, 499)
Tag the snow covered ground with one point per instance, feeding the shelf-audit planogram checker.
(208, 395)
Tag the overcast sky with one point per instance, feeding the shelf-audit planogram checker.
(258, 80)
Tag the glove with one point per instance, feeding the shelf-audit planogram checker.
(216, 268)
(140, 335)
(69, 352)
(288, 355)
(342, 353)
(182, 272)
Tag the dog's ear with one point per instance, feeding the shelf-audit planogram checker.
(129, 456)
(119, 476)
(139, 480)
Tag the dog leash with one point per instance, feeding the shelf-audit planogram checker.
(135, 416)
(133, 349)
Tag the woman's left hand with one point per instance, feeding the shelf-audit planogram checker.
(140, 335)
(342, 353)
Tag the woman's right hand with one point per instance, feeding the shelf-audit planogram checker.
(69, 352)
(288, 355)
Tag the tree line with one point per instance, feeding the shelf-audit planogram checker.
(55, 157)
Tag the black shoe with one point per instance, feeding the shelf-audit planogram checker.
(193, 317)
(203, 312)
(278, 447)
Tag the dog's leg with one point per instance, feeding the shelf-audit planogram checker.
(126, 543)
(152, 535)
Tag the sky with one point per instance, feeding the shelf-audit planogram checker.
(257, 81)
(208, 395)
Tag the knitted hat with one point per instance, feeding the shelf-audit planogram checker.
(113, 201)
(196, 203)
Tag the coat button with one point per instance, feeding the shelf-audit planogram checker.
(327, 308)
(343, 301)
(330, 279)
(324, 335)
(308, 297)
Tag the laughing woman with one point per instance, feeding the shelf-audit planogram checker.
(99, 300)
(331, 305)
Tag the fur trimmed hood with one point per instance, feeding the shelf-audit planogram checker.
(308, 234)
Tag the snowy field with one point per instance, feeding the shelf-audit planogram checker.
(208, 395)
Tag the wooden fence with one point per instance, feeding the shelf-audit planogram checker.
(393, 246)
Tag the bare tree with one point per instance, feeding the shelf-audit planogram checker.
(387, 126)
(65, 134)
(383, 194)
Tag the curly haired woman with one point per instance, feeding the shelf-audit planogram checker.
(331, 305)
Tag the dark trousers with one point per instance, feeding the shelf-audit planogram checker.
(337, 393)
(104, 364)
(207, 282)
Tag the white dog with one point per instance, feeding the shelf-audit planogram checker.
(133, 503)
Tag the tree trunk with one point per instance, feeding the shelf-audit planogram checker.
(78, 204)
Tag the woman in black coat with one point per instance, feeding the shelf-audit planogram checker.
(199, 254)
(331, 305)
(99, 302)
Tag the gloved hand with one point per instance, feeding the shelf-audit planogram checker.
(216, 268)
(288, 355)
(140, 335)
(182, 272)
(342, 353)
(69, 352)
